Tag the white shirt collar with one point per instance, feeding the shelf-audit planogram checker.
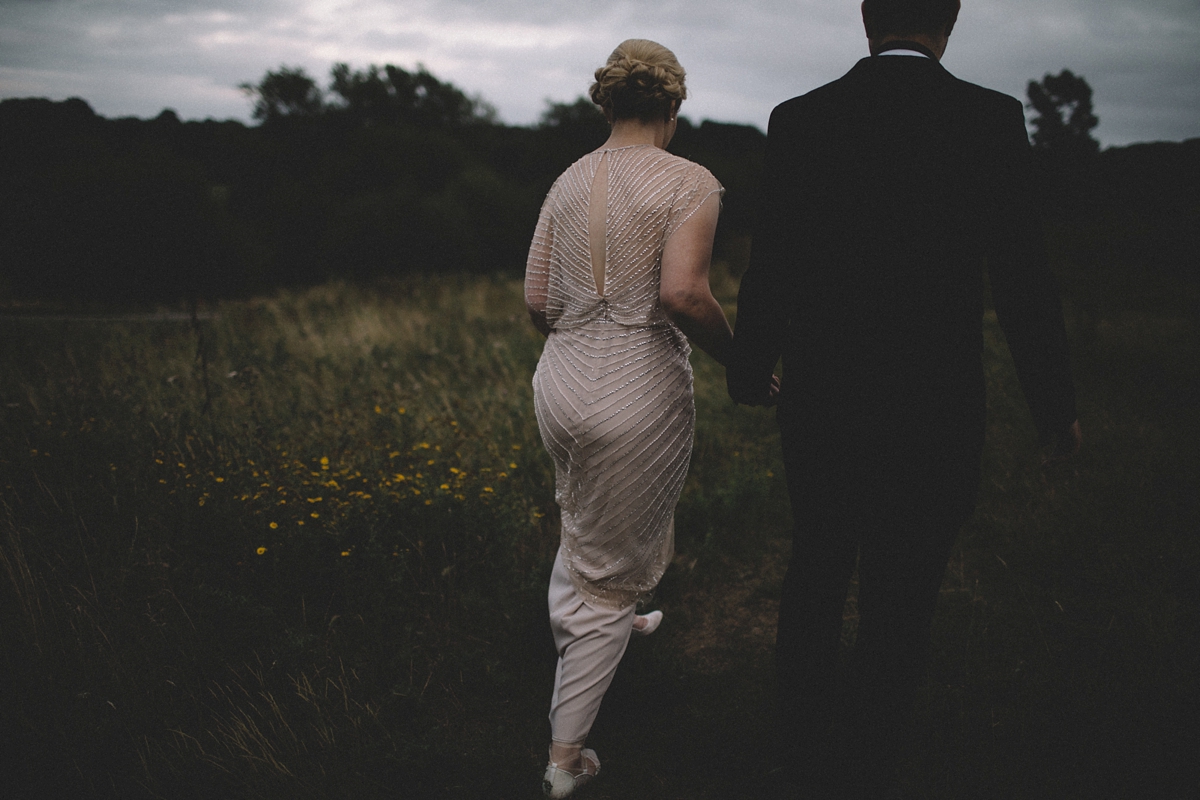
(903, 53)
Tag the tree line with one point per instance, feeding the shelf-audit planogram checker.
(390, 171)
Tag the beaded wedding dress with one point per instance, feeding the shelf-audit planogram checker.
(613, 388)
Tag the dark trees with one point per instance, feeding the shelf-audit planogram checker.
(1064, 121)
(393, 95)
(581, 115)
(286, 93)
(389, 171)
(111, 209)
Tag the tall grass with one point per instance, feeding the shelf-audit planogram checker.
(235, 546)
(299, 549)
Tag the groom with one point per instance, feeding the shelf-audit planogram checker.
(885, 197)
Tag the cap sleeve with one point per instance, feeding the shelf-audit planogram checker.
(697, 186)
(537, 266)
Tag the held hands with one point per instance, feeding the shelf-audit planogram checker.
(1065, 445)
(772, 397)
(773, 391)
(748, 391)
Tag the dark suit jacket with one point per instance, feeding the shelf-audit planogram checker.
(885, 195)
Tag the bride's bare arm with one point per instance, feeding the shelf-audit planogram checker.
(537, 273)
(684, 290)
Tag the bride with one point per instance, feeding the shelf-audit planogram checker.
(617, 280)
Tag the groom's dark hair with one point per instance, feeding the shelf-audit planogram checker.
(906, 17)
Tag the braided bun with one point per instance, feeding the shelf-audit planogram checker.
(641, 79)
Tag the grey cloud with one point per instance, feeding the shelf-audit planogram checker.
(136, 57)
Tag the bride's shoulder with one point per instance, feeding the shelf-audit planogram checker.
(684, 168)
(696, 174)
(573, 178)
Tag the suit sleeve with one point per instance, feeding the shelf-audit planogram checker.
(1024, 292)
(762, 306)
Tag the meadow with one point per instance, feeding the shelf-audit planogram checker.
(297, 546)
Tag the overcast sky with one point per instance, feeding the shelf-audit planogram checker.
(136, 57)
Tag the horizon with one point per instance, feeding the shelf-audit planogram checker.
(252, 123)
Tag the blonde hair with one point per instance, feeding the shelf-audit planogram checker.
(641, 79)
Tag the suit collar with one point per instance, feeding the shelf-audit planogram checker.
(901, 44)
(898, 65)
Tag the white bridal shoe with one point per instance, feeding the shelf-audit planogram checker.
(558, 783)
(652, 621)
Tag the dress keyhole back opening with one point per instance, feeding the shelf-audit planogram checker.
(598, 222)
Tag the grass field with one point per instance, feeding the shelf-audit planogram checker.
(299, 549)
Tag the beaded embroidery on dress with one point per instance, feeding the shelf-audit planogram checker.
(613, 388)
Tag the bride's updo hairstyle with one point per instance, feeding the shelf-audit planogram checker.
(641, 79)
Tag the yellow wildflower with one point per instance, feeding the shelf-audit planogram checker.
(273, 525)
(487, 489)
(378, 410)
(345, 553)
(314, 515)
(261, 550)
